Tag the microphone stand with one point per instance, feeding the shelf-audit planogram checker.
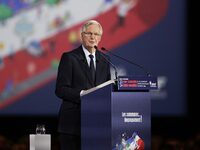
(116, 76)
(148, 74)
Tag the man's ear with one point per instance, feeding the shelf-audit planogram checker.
(81, 37)
(99, 38)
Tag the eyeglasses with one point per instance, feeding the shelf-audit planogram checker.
(90, 34)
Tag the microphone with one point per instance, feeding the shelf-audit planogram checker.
(126, 60)
(114, 67)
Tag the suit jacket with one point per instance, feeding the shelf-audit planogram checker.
(74, 76)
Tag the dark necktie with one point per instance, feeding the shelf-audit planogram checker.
(92, 69)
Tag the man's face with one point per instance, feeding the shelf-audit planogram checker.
(91, 37)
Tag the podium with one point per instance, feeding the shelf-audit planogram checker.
(109, 113)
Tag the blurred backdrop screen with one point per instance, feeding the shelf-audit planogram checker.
(35, 33)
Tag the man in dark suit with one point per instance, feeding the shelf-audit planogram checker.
(79, 70)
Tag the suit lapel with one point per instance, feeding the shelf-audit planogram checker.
(84, 65)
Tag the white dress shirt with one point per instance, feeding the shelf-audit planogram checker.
(87, 53)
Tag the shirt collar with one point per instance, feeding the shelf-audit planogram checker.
(86, 52)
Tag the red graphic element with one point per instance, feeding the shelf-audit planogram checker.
(140, 19)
